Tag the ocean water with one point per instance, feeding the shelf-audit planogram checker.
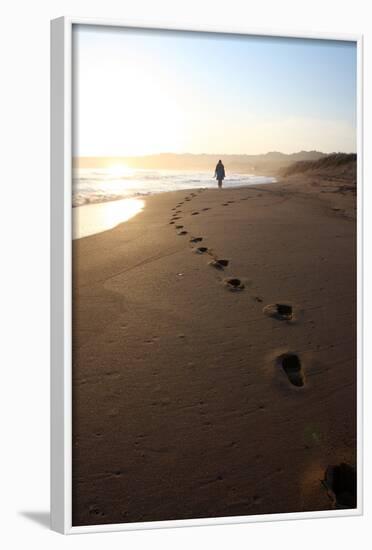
(102, 185)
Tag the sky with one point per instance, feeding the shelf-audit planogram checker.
(139, 92)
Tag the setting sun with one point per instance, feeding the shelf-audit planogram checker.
(119, 170)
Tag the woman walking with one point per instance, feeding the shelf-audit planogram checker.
(219, 173)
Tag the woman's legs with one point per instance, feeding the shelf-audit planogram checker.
(220, 183)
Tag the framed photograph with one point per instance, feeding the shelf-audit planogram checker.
(206, 276)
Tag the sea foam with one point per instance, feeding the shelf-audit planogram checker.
(92, 186)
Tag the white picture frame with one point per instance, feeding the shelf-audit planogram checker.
(61, 265)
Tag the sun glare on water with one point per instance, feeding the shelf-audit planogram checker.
(95, 218)
(119, 170)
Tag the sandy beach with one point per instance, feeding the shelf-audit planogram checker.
(194, 397)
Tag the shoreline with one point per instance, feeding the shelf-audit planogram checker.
(113, 217)
(182, 406)
(304, 188)
(81, 199)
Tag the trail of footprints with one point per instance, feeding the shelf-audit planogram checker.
(233, 284)
(290, 363)
(339, 480)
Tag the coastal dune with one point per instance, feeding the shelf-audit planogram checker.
(214, 354)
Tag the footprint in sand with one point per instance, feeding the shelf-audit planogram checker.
(291, 364)
(219, 264)
(194, 213)
(341, 484)
(224, 204)
(196, 239)
(179, 226)
(200, 250)
(182, 232)
(172, 222)
(176, 218)
(234, 284)
(205, 209)
(283, 312)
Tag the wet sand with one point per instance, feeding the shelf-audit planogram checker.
(185, 402)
